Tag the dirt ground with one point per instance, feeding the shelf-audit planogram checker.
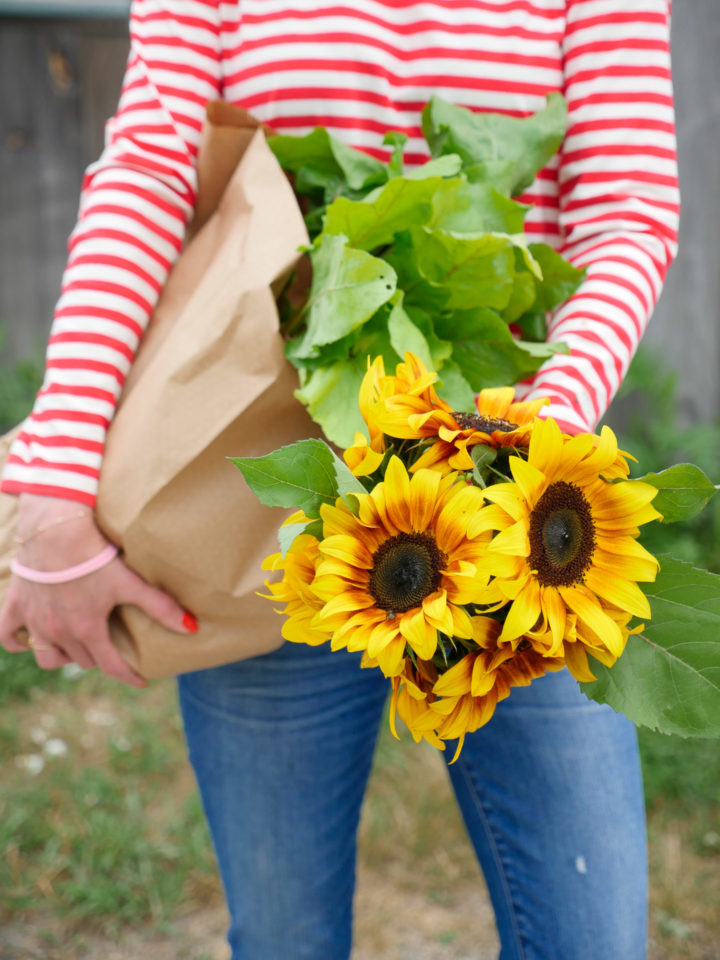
(391, 925)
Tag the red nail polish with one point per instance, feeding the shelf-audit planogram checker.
(190, 623)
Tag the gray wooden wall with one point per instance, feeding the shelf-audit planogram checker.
(59, 80)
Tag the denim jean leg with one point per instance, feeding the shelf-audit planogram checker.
(282, 747)
(551, 792)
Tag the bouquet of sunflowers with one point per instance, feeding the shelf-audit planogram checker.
(462, 543)
(464, 553)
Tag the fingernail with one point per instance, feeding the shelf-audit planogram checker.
(189, 622)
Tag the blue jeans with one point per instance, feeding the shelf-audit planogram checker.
(550, 791)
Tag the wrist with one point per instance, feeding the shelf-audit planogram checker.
(52, 532)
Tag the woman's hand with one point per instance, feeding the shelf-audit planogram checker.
(69, 621)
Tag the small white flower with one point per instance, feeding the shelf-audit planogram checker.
(100, 718)
(31, 763)
(71, 671)
(38, 735)
(122, 744)
(55, 747)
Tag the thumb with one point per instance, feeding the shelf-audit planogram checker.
(157, 604)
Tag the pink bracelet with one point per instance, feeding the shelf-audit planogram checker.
(69, 573)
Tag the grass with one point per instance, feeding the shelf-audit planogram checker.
(110, 835)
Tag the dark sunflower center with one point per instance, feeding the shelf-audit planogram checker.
(562, 536)
(473, 421)
(406, 569)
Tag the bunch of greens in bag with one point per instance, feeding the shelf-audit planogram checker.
(431, 260)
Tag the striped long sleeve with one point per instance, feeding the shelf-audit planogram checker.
(135, 204)
(609, 201)
(618, 199)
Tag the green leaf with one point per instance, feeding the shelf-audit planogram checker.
(669, 677)
(485, 350)
(418, 292)
(348, 287)
(533, 324)
(477, 208)
(374, 221)
(331, 392)
(453, 388)
(559, 280)
(288, 531)
(504, 151)
(440, 350)
(322, 163)
(301, 475)
(404, 335)
(347, 482)
(477, 270)
(521, 298)
(683, 491)
(448, 166)
(482, 457)
(396, 140)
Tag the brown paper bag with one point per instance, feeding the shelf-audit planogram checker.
(209, 382)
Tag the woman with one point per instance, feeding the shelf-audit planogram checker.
(282, 744)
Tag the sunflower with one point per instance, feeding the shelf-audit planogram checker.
(407, 407)
(496, 422)
(299, 567)
(401, 570)
(410, 390)
(566, 542)
(463, 698)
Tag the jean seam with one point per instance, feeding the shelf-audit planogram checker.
(500, 863)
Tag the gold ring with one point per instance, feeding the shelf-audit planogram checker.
(38, 647)
(23, 636)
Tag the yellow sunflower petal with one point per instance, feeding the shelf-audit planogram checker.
(421, 636)
(513, 542)
(615, 589)
(590, 612)
(529, 479)
(555, 613)
(524, 612)
(456, 681)
(423, 493)
(577, 663)
(494, 402)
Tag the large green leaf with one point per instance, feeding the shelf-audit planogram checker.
(405, 335)
(418, 292)
(348, 287)
(683, 491)
(560, 279)
(476, 270)
(288, 531)
(504, 151)
(303, 475)
(668, 678)
(300, 475)
(324, 167)
(485, 350)
(454, 388)
(394, 207)
(476, 208)
(331, 392)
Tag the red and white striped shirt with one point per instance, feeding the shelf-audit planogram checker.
(609, 201)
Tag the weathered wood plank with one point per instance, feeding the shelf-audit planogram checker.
(59, 81)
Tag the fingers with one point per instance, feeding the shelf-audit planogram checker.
(108, 660)
(157, 604)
